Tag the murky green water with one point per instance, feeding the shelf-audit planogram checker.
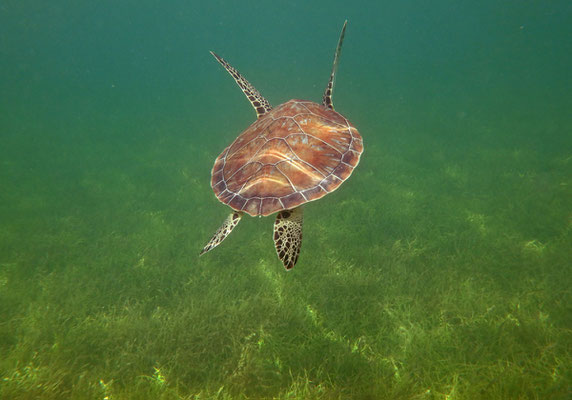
(440, 269)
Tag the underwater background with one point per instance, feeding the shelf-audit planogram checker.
(442, 269)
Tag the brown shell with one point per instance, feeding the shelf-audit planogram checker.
(298, 152)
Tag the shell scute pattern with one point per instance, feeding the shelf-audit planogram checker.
(297, 152)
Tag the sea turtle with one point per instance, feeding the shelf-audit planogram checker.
(294, 153)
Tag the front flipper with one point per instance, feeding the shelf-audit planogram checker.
(288, 235)
(227, 226)
(260, 104)
(327, 98)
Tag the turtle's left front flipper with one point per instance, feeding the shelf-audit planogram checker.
(227, 226)
(288, 235)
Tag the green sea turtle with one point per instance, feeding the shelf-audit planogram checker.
(294, 153)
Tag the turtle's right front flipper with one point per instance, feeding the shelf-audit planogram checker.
(227, 226)
(327, 98)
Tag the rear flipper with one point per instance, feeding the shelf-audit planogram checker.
(227, 226)
(288, 235)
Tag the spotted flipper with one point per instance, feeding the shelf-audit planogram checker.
(227, 226)
(288, 235)
(327, 98)
(260, 104)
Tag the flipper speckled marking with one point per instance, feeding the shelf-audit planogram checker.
(227, 226)
(288, 235)
(260, 104)
(327, 98)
